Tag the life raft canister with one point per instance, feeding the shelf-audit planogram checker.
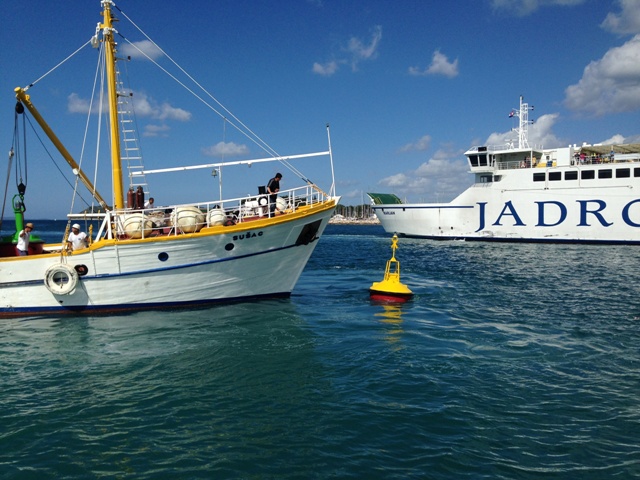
(61, 279)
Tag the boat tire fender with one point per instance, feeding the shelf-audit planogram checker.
(61, 279)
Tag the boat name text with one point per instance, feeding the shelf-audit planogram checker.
(247, 236)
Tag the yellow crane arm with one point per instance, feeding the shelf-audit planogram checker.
(23, 98)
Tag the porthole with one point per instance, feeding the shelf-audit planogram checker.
(163, 257)
(229, 246)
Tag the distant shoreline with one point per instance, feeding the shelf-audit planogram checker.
(353, 221)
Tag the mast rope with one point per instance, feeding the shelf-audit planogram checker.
(245, 130)
(58, 65)
(35, 131)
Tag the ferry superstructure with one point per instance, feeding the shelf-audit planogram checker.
(585, 193)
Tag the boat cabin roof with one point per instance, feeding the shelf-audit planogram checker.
(606, 149)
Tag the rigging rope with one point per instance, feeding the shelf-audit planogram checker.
(247, 132)
(58, 65)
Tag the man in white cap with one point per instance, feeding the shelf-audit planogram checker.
(23, 239)
(77, 239)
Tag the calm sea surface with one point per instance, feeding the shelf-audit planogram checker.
(511, 362)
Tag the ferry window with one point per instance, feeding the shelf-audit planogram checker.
(587, 174)
(623, 173)
(636, 172)
(485, 179)
(554, 176)
(474, 160)
(538, 177)
(571, 175)
(483, 160)
(605, 173)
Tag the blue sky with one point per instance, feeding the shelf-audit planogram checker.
(406, 85)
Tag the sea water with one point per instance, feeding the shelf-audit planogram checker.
(512, 361)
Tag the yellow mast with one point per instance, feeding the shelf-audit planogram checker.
(23, 98)
(110, 44)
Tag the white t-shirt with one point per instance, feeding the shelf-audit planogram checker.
(23, 241)
(78, 241)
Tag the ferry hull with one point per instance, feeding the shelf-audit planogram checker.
(489, 213)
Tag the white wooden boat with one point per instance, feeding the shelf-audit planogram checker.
(185, 255)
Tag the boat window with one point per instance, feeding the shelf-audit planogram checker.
(606, 173)
(623, 173)
(587, 174)
(636, 172)
(483, 160)
(571, 175)
(554, 176)
(485, 179)
(473, 159)
(538, 177)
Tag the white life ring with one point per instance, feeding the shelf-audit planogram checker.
(61, 279)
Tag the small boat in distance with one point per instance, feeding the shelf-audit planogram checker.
(139, 257)
(523, 193)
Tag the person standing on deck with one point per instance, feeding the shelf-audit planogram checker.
(23, 240)
(273, 187)
(76, 239)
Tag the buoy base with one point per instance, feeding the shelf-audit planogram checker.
(389, 297)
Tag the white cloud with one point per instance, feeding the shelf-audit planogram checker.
(166, 111)
(522, 8)
(441, 178)
(144, 106)
(140, 50)
(326, 69)
(419, 145)
(356, 51)
(360, 51)
(540, 134)
(156, 130)
(75, 104)
(440, 65)
(625, 22)
(609, 85)
(615, 139)
(225, 148)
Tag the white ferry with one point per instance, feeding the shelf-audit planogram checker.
(586, 193)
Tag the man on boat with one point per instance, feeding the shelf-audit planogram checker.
(273, 187)
(77, 239)
(23, 240)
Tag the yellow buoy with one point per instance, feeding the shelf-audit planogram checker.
(390, 289)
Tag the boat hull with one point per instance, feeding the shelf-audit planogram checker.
(220, 264)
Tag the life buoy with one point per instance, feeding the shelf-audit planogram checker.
(61, 279)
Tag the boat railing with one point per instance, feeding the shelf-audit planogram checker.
(190, 218)
(525, 163)
(499, 148)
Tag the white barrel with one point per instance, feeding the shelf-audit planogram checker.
(281, 204)
(187, 219)
(216, 217)
(135, 225)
